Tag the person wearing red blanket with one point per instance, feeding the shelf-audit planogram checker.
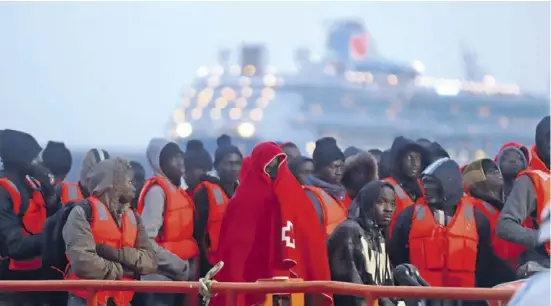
(270, 228)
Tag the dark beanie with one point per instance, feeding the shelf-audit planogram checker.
(225, 147)
(18, 148)
(326, 152)
(196, 156)
(169, 151)
(57, 158)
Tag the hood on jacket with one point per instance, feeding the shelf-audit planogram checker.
(108, 179)
(542, 140)
(92, 157)
(153, 154)
(446, 172)
(365, 202)
(363, 163)
(437, 151)
(476, 181)
(513, 146)
(399, 148)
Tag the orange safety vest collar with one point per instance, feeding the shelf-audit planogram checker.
(334, 212)
(70, 192)
(218, 202)
(445, 255)
(32, 218)
(106, 231)
(177, 229)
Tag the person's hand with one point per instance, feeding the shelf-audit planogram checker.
(107, 252)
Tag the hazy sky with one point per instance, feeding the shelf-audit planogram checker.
(110, 73)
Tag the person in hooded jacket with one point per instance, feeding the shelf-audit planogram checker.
(211, 199)
(408, 159)
(359, 170)
(511, 158)
(528, 198)
(104, 238)
(168, 216)
(57, 158)
(324, 188)
(376, 153)
(357, 250)
(445, 236)
(437, 151)
(71, 192)
(24, 192)
(484, 182)
(302, 168)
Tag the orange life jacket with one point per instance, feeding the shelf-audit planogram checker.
(403, 200)
(70, 192)
(218, 202)
(177, 229)
(106, 231)
(508, 251)
(334, 212)
(445, 255)
(539, 175)
(32, 219)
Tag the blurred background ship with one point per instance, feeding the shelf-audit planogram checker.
(353, 94)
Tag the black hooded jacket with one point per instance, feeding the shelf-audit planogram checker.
(385, 164)
(17, 152)
(400, 147)
(347, 259)
(490, 271)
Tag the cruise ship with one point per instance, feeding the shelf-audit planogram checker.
(355, 95)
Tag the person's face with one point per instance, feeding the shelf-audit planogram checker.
(333, 173)
(433, 191)
(273, 167)
(511, 163)
(411, 164)
(385, 206)
(305, 170)
(127, 190)
(494, 179)
(176, 166)
(228, 168)
(193, 176)
(291, 152)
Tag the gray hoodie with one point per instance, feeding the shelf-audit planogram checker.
(170, 266)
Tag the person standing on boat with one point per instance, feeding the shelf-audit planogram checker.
(324, 188)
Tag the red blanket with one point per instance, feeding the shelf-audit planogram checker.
(270, 229)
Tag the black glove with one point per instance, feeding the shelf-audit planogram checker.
(43, 175)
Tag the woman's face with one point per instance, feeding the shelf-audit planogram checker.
(305, 170)
(385, 206)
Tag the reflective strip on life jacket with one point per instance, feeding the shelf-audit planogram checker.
(445, 255)
(70, 193)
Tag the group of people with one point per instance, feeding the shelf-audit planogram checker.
(351, 216)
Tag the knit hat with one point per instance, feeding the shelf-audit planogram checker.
(57, 158)
(18, 148)
(225, 147)
(196, 156)
(326, 152)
